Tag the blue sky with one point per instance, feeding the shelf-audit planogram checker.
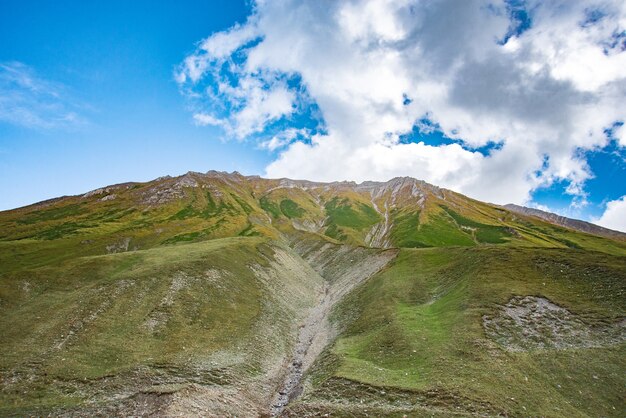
(96, 93)
(114, 63)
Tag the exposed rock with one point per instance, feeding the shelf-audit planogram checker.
(187, 180)
(308, 225)
(344, 268)
(118, 247)
(377, 236)
(532, 323)
(108, 197)
(95, 192)
(108, 189)
(159, 196)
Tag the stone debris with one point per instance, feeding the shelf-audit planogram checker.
(317, 332)
(535, 323)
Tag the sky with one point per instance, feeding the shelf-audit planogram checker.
(506, 101)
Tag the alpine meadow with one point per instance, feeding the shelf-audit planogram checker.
(225, 295)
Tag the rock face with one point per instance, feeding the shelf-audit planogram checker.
(343, 268)
(575, 224)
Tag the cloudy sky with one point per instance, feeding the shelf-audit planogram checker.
(505, 101)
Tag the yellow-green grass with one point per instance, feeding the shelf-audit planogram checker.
(88, 225)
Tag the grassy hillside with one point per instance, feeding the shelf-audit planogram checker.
(415, 342)
(94, 328)
(223, 295)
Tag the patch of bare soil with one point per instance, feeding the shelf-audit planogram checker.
(530, 323)
(159, 316)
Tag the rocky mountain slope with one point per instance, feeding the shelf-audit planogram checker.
(574, 224)
(217, 294)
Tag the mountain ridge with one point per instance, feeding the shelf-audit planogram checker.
(576, 224)
(377, 189)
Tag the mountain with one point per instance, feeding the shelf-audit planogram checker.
(574, 224)
(402, 212)
(218, 294)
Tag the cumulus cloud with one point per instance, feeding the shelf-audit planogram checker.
(544, 89)
(30, 101)
(614, 217)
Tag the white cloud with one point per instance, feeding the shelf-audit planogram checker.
(545, 94)
(204, 119)
(30, 101)
(619, 133)
(284, 138)
(222, 44)
(262, 106)
(241, 102)
(614, 217)
(541, 207)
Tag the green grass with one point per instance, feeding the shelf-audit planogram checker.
(207, 208)
(269, 206)
(404, 233)
(358, 216)
(412, 333)
(242, 203)
(489, 234)
(60, 231)
(190, 236)
(349, 220)
(82, 226)
(417, 326)
(438, 231)
(112, 214)
(291, 209)
(249, 231)
(54, 213)
(334, 232)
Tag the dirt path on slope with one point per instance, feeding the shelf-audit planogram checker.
(317, 332)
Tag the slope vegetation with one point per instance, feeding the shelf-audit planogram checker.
(215, 319)
(419, 337)
(196, 207)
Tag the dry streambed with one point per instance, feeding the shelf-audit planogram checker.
(344, 268)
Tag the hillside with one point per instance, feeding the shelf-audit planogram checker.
(225, 295)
